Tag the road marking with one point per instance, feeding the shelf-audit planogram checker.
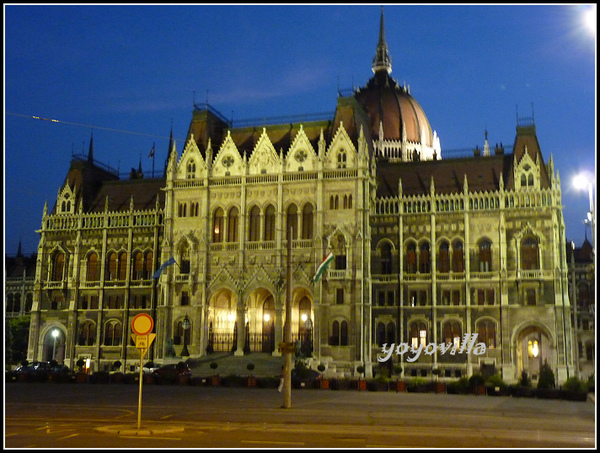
(66, 437)
(271, 442)
(150, 437)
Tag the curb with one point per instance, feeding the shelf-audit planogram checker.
(145, 430)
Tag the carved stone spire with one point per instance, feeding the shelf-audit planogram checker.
(382, 60)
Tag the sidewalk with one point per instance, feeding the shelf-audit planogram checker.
(265, 365)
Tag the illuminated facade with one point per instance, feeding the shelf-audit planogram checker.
(427, 248)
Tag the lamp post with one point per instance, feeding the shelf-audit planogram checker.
(185, 324)
(582, 182)
(55, 334)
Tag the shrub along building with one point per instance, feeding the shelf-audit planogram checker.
(426, 248)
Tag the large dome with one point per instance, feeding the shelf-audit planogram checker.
(398, 123)
(391, 107)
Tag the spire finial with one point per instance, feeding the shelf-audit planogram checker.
(382, 60)
(91, 150)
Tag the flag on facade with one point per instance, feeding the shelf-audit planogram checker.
(163, 266)
(323, 266)
(151, 155)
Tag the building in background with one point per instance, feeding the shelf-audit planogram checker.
(427, 248)
(582, 293)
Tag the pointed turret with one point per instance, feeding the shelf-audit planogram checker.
(382, 60)
(169, 150)
(91, 150)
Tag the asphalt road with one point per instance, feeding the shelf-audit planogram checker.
(50, 415)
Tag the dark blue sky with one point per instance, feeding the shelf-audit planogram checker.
(132, 71)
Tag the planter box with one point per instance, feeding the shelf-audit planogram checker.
(149, 379)
(377, 386)
(339, 384)
(572, 395)
(322, 384)
(81, 378)
(553, 394)
(440, 387)
(360, 384)
(400, 386)
(497, 391)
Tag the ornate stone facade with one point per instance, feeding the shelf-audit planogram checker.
(427, 249)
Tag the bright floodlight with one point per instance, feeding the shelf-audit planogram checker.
(581, 182)
(55, 333)
(589, 18)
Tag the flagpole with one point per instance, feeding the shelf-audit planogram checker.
(287, 370)
(153, 153)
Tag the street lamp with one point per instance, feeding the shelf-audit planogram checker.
(185, 324)
(55, 334)
(582, 182)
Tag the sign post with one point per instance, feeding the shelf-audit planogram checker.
(142, 325)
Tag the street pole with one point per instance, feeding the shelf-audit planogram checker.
(287, 369)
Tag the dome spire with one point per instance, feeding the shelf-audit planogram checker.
(382, 60)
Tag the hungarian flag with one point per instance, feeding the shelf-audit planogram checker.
(163, 267)
(323, 266)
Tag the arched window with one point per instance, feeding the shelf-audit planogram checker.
(529, 254)
(341, 159)
(112, 266)
(93, 272)
(391, 333)
(254, 224)
(418, 334)
(182, 336)
(307, 221)
(218, 225)
(452, 333)
(444, 257)
(191, 169)
(112, 333)
(339, 334)
(232, 225)
(458, 262)
(485, 256)
(411, 258)
(292, 222)
(344, 333)
(269, 233)
(486, 333)
(386, 258)
(87, 334)
(424, 258)
(148, 265)
(334, 340)
(123, 266)
(138, 266)
(28, 302)
(58, 265)
(380, 334)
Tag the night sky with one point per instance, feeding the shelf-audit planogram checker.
(128, 74)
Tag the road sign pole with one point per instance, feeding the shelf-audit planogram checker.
(142, 351)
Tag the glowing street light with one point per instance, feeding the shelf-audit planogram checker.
(582, 182)
(55, 334)
(185, 324)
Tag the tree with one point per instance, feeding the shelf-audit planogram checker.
(16, 337)
(546, 379)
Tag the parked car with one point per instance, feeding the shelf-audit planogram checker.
(148, 368)
(181, 368)
(40, 370)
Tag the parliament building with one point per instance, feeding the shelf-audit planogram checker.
(427, 248)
